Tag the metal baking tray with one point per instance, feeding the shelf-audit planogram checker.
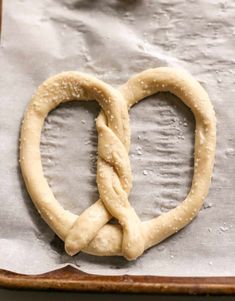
(71, 279)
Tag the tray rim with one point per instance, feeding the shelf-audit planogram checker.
(69, 278)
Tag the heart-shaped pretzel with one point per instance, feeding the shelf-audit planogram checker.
(91, 232)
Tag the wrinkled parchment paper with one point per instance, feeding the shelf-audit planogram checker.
(113, 40)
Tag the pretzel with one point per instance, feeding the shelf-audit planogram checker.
(90, 232)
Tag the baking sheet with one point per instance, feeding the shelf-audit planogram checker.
(113, 40)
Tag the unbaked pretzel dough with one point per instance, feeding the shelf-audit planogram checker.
(90, 232)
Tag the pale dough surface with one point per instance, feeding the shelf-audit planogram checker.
(90, 232)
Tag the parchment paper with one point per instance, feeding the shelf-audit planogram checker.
(114, 40)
